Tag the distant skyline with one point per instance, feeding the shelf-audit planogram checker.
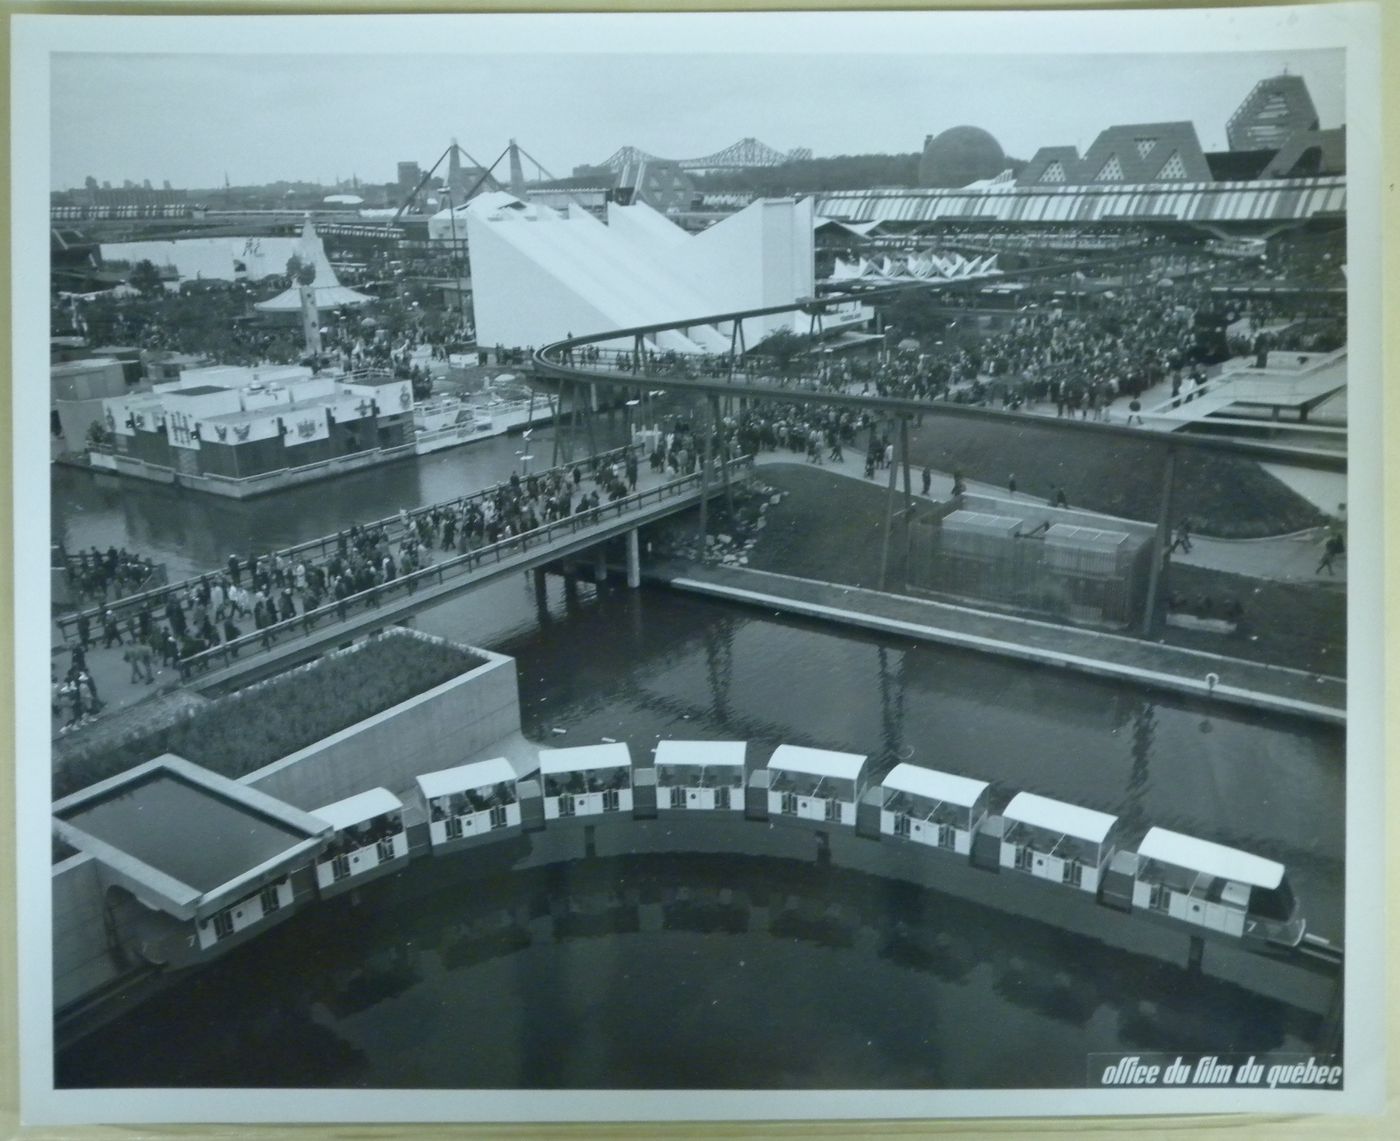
(318, 117)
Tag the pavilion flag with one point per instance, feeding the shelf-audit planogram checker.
(181, 430)
(305, 425)
(351, 405)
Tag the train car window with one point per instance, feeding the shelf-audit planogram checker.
(1279, 903)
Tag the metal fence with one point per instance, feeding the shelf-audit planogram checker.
(458, 567)
(318, 549)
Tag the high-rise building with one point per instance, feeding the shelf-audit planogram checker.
(1277, 108)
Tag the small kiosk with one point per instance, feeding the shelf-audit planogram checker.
(209, 861)
(814, 784)
(931, 807)
(1056, 841)
(700, 774)
(1215, 887)
(367, 840)
(469, 801)
(586, 781)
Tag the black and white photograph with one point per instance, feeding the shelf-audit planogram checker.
(698, 567)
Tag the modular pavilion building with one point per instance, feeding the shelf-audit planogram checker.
(541, 274)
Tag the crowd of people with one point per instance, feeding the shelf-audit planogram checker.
(1080, 357)
(260, 593)
(95, 576)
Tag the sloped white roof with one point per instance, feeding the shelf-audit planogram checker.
(584, 757)
(730, 753)
(1213, 859)
(935, 785)
(817, 762)
(479, 774)
(330, 294)
(359, 808)
(1057, 816)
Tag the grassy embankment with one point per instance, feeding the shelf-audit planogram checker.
(1225, 496)
(830, 527)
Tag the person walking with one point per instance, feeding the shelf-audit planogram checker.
(1182, 540)
(1330, 553)
(927, 478)
(1011, 484)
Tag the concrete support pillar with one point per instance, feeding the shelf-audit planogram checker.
(541, 592)
(1161, 544)
(634, 559)
(600, 564)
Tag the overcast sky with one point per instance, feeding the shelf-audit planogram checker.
(190, 118)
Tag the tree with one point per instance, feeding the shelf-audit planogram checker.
(145, 277)
(98, 435)
(784, 348)
(300, 272)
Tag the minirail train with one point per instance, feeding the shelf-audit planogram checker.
(1042, 858)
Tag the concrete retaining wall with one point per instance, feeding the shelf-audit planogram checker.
(439, 728)
(81, 963)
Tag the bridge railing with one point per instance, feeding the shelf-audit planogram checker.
(659, 366)
(459, 566)
(318, 549)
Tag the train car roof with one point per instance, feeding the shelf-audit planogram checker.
(1213, 859)
(729, 753)
(1057, 816)
(476, 775)
(934, 784)
(817, 762)
(359, 808)
(583, 757)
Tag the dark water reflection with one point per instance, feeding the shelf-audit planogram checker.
(194, 533)
(857, 984)
(640, 666)
(818, 980)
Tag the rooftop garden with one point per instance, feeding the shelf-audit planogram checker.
(244, 731)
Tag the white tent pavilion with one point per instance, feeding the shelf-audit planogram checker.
(330, 294)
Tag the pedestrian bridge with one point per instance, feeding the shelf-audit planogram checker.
(312, 551)
(282, 645)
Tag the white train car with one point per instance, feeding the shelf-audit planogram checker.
(700, 775)
(469, 802)
(1221, 889)
(368, 840)
(588, 780)
(815, 784)
(930, 807)
(1055, 841)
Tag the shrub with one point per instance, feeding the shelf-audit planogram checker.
(240, 733)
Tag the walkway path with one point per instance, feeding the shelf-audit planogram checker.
(1142, 662)
(657, 495)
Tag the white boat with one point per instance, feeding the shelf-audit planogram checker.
(446, 422)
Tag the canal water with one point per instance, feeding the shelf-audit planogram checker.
(441, 984)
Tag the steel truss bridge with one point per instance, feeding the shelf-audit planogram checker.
(743, 155)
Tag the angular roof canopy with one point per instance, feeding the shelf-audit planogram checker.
(330, 294)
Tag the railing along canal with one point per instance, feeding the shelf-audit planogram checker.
(320, 548)
(459, 566)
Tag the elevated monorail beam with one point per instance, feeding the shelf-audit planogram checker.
(894, 405)
(547, 362)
